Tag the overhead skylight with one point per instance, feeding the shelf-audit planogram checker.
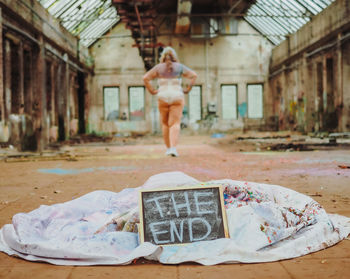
(277, 19)
(87, 19)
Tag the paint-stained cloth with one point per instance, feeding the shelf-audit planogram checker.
(266, 223)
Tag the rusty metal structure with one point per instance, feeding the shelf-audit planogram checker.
(139, 17)
(91, 19)
(274, 19)
(145, 17)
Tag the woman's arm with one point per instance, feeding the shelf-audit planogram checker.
(150, 75)
(192, 76)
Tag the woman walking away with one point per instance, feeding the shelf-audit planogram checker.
(170, 94)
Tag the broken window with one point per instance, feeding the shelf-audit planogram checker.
(229, 101)
(195, 104)
(136, 102)
(111, 102)
(255, 100)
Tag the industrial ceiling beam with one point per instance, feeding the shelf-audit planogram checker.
(139, 16)
(234, 6)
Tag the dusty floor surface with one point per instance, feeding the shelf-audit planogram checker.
(29, 180)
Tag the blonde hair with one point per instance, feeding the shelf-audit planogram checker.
(168, 51)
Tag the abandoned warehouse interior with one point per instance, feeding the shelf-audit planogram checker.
(76, 67)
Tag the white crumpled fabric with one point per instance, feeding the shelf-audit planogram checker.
(266, 223)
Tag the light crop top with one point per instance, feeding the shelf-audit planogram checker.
(170, 82)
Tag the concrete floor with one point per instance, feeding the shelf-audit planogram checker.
(27, 182)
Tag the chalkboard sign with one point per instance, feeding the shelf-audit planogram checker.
(182, 215)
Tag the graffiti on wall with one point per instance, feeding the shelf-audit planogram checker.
(242, 109)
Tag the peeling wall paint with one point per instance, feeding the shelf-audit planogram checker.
(312, 109)
(41, 80)
(309, 80)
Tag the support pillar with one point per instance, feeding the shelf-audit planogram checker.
(67, 96)
(52, 94)
(324, 93)
(39, 113)
(73, 98)
(60, 100)
(81, 78)
(2, 91)
(309, 94)
(319, 69)
(302, 94)
(7, 83)
(283, 113)
(29, 77)
(4, 131)
(339, 105)
(207, 82)
(21, 77)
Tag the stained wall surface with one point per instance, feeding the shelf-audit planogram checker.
(309, 75)
(44, 78)
(236, 60)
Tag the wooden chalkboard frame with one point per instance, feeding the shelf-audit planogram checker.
(170, 189)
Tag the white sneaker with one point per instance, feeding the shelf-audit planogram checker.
(168, 152)
(173, 152)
